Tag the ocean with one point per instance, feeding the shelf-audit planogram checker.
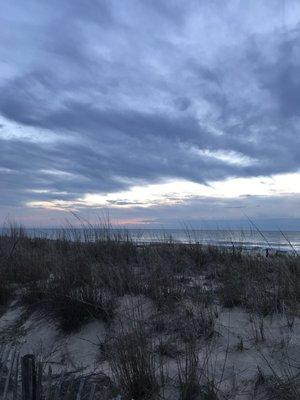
(285, 241)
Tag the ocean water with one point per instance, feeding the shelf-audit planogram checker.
(286, 241)
(282, 241)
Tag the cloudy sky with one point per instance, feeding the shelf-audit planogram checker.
(158, 111)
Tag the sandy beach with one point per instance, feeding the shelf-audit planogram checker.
(162, 321)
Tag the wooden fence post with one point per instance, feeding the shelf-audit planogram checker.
(28, 377)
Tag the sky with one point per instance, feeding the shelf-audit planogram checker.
(156, 112)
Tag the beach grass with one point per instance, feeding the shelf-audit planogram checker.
(75, 279)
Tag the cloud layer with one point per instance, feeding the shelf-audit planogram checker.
(96, 98)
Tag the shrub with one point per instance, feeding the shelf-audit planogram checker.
(167, 348)
(277, 387)
(193, 383)
(132, 362)
(195, 323)
(68, 307)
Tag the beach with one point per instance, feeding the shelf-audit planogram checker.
(167, 320)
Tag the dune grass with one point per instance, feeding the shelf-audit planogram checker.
(82, 276)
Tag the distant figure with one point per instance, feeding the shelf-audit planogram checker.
(267, 252)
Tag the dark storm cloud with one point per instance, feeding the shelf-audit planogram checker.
(136, 92)
(282, 77)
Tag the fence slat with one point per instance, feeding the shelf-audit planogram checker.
(28, 377)
(82, 381)
(5, 357)
(58, 386)
(1, 352)
(49, 381)
(15, 390)
(92, 392)
(9, 374)
(39, 386)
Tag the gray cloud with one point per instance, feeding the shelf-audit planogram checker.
(134, 92)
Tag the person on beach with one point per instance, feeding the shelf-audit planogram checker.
(267, 252)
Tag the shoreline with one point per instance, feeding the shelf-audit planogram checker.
(246, 240)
